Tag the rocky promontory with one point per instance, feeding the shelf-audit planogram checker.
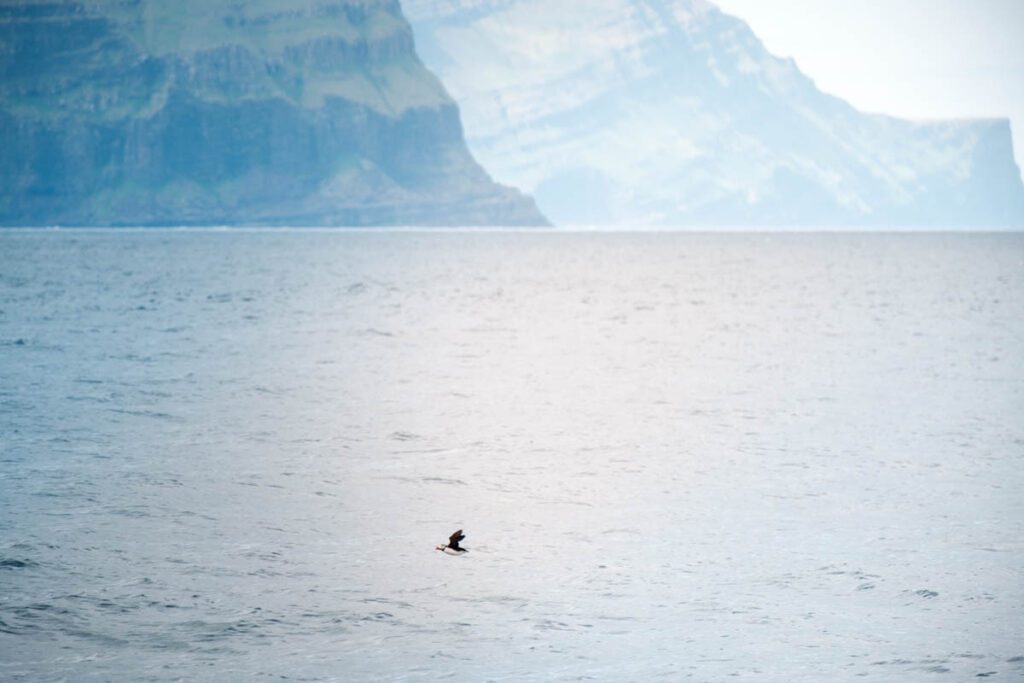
(216, 112)
(673, 113)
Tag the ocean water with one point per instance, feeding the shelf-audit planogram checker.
(228, 455)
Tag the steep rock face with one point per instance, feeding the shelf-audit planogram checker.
(669, 112)
(298, 112)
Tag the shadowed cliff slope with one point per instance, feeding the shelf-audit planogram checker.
(297, 112)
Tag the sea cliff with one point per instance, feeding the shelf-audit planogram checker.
(672, 112)
(275, 112)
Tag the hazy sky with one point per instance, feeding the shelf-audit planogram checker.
(912, 58)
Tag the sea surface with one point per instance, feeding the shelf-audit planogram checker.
(228, 456)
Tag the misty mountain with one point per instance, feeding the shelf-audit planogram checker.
(670, 112)
(300, 112)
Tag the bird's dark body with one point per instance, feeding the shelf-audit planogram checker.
(453, 547)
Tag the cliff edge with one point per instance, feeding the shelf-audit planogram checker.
(200, 112)
(673, 113)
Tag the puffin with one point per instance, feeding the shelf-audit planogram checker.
(452, 547)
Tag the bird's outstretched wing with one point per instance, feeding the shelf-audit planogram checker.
(454, 539)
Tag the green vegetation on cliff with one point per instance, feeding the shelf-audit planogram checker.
(274, 112)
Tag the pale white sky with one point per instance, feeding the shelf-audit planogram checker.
(912, 58)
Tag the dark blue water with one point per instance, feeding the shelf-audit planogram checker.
(229, 455)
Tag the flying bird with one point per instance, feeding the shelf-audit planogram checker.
(453, 547)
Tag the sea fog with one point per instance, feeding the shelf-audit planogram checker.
(757, 456)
